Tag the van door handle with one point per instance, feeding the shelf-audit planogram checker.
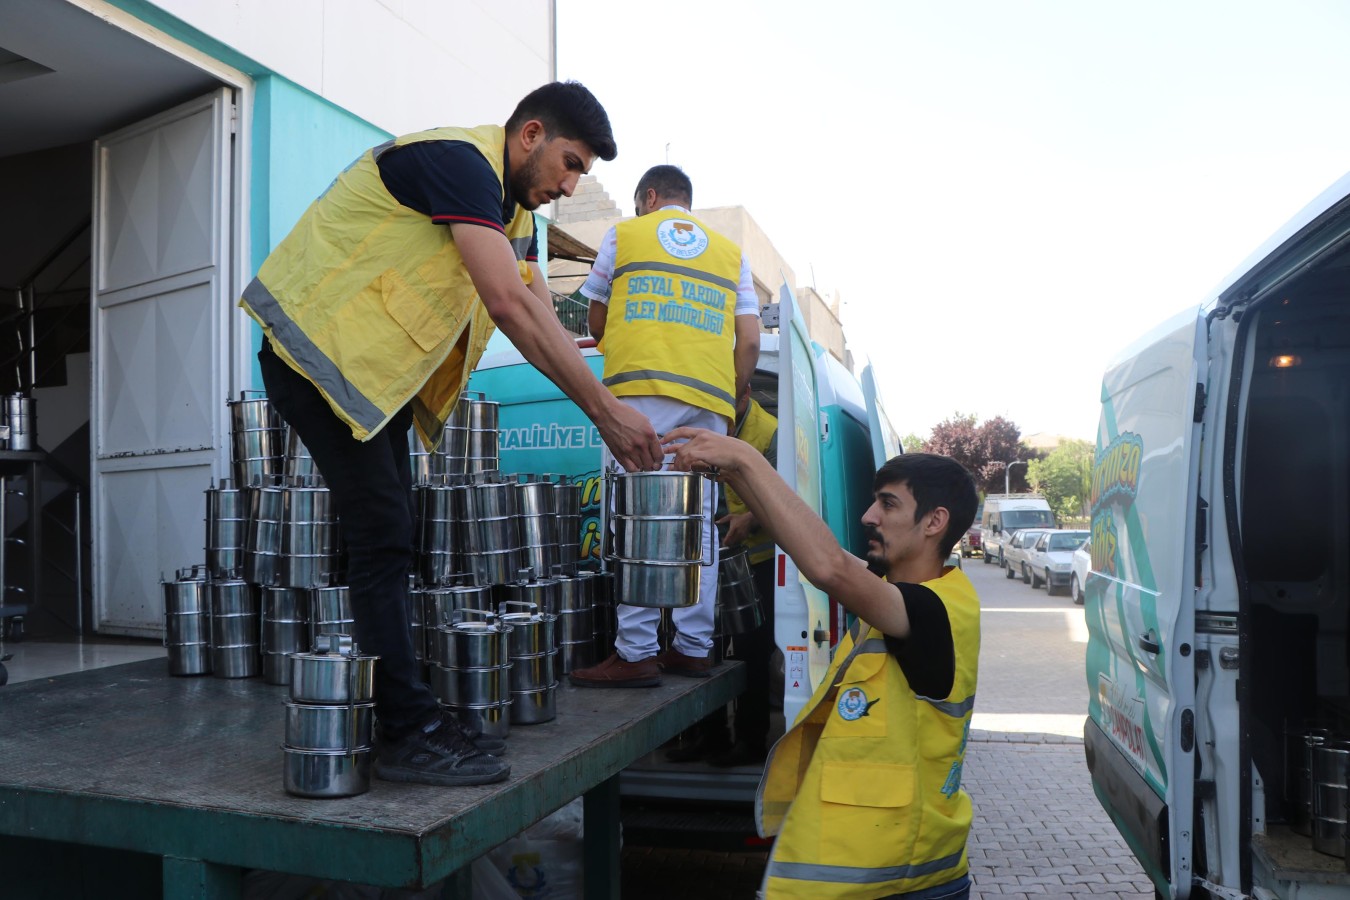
(1147, 643)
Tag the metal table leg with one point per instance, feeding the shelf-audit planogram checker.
(600, 822)
(195, 879)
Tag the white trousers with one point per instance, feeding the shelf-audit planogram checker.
(637, 625)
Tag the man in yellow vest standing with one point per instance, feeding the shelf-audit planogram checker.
(674, 308)
(864, 791)
(375, 308)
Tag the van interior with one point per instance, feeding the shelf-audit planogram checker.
(1294, 520)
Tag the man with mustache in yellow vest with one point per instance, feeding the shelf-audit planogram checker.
(374, 309)
(674, 309)
(864, 791)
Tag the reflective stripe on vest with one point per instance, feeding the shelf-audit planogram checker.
(856, 875)
(673, 378)
(288, 338)
(672, 269)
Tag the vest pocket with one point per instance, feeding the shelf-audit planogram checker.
(411, 309)
(867, 784)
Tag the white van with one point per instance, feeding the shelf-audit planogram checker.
(1218, 599)
(1003, 514)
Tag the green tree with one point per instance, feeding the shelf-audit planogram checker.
(1064, 476)
(912, 443)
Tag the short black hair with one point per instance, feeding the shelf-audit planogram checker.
(669, 182)
(934, 481)
(568, 110)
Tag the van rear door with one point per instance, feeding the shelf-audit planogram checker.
(1139, 737)
(802, 611)
(885, 444)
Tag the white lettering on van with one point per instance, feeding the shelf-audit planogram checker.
(550, 436)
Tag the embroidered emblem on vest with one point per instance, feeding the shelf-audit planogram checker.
(853, 704)
(683, 240)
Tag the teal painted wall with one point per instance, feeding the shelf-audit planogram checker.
(300, 143)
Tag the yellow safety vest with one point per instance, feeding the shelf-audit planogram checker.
(858, 817)
(758, 429)
(670, 327)
(370, 300)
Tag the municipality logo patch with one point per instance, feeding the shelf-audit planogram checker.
(682, 239)
(853, 704)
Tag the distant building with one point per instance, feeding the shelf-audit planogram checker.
(583, 219)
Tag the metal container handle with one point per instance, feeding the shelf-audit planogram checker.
(459, 615)
(524, 605)
(243, 395)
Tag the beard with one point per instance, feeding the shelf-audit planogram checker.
(876, 559)
(522, 183)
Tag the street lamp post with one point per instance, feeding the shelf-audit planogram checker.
(1007, 469)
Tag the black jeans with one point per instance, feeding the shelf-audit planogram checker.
(371, 487)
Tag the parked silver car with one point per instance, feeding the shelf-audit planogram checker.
(1015, 552)
(1049, 560)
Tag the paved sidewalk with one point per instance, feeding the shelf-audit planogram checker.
(1039, 832)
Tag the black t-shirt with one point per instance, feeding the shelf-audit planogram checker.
(451, 182)
(928, 655)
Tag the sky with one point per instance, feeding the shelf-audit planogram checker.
(1005, 194)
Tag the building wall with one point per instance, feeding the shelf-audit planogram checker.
(401, 65)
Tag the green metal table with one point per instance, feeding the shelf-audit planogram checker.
(185, 774)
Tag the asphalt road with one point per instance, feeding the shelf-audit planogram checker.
(1032, 656)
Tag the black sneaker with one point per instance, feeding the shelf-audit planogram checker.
(488, 744)
(438, 754)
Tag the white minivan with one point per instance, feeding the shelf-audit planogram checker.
(1218, 598)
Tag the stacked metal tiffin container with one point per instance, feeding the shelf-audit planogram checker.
(1317, 786)
(330, 720)
(470, 674)
(532, 646)
(272, 579)
(469, 444)
(187, 622)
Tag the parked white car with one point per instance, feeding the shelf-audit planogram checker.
(1048, 560)
(1015, 550)
(1078, 569)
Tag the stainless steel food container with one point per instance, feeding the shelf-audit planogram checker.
(234, 628)
(490, 500)
(190, 659)
(235, 660)
(320, 774)
(530, 673)
(469, 687)
(187, 628)
(312, 726)
(473, 645)
(738, 607)
(653, 584)
(334, 673)
(534, 707)
(536, 499)
(532, 633)
(657, 493)
(659, 539)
